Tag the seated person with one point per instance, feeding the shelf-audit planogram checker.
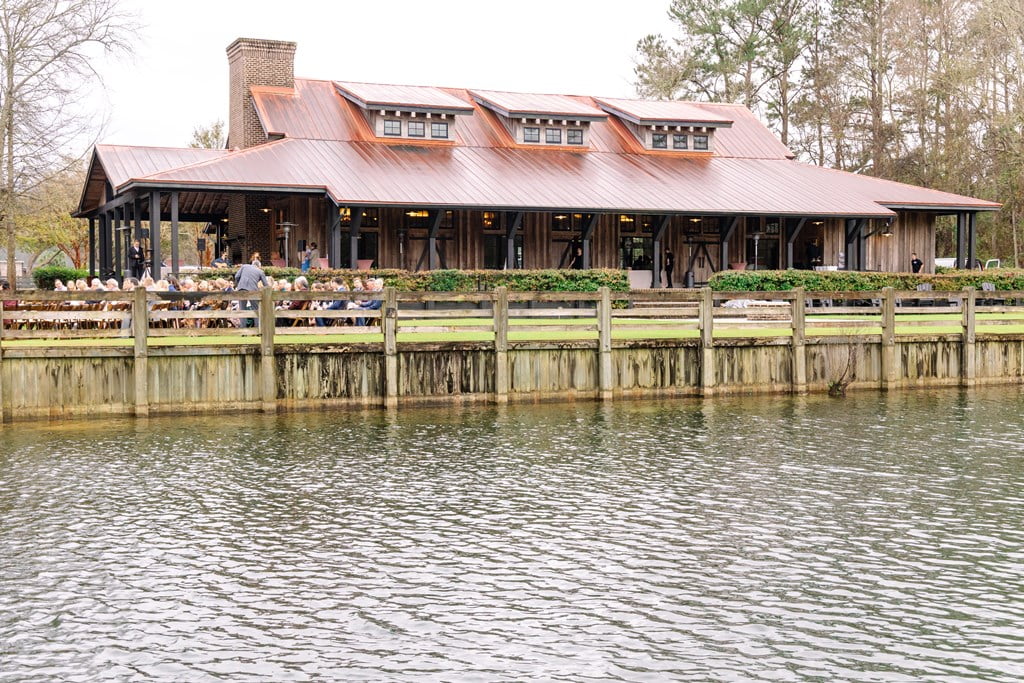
(373, 285)
(338, 285)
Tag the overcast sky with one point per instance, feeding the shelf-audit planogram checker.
(177, 78)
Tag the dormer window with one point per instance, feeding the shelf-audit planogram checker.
(679, 141)
(416, 129)
(565, 120)
(439, 130)
(659, 140)
(574, 136)
(553, 136)
(700, 143)
(655, 122)
(531, 134)
(406, 111)
(393, 127)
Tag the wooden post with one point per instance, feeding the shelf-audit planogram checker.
(5, 415)
(268, 368)
(968, 362)
(799, 304)
(389, 323)
(140, 330)
(707, 344)
(890, 374)
(501, 379)
(154, 233)
(604, 343)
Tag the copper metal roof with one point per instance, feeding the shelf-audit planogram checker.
(527, 104)
(328, 147)
(405, 97)
(662, 112)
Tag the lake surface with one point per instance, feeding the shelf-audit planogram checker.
(872, 538)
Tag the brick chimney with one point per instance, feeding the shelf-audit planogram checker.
(252, 61)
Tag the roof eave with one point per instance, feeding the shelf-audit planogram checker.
(948, 208)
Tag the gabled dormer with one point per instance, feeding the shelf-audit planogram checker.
(413, 113)
(542, 120)
(668, 126)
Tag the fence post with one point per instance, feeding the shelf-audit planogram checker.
(798, 305)
(389, 324)
(888, 352)
(5, 414)
(968, 367)
(706, 319)
(604, 343)
(500, 311)
(140, 330)
(268, 368)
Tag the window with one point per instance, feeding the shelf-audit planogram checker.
(700, 142)
(531, 134)
(494, 251)
(439, 130)
(678, 141)
(636, 253)
(420, 218)
(659, 140)
(417, 129)
(574, 136)
(627, 222)
(569, 221)
(392, 127)
(553, 136)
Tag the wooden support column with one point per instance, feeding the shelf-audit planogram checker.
(140, 330)
(968, 362)
(799, 308)
(154, 232)
(972, 238)
(174, 233)
(501, 377)
(354, 225)
(706, 318)
(436, 217)
(513, 222)
(92, 245)
(137, 217)
(726, 227)
(605, 379)
(890, 373)
(587, 238)
(659, 236)
(791, 235)
(389, 323)
(118, 240)
(961, 238)
(268, 367)
(333, 234)
(854, 243)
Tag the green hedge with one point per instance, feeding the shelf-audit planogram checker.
(852, 281)
(45, 275)
(459, 280)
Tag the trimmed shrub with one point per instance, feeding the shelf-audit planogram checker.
(458, 280)
(45, 275)
(852, 281)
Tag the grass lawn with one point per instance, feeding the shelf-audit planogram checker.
(947, 323)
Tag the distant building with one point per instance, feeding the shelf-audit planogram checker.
(420, 177)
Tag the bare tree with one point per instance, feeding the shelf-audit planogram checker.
(47, 49)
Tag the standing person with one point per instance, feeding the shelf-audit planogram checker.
(577, 259)
(313, 256)
(255, 261)
(670, 264)
(248, 279)
(136, 259)
(915, 263)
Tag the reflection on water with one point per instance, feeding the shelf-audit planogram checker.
(871, 538)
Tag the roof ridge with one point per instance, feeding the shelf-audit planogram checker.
(234, 153)
(177, 149)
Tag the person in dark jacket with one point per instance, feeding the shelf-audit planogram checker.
(136, 260)
(670, 264)
(915, 263)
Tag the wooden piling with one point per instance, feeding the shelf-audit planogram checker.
(389, 324)
(140, 330)
(268, 368)
(798, 306)
(501, 376)
(604, 344)
(968, 363)
(707, 345)
(889, 373)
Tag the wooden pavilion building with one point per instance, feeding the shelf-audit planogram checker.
(420, 177)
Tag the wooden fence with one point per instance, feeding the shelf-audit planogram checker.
(500, 320)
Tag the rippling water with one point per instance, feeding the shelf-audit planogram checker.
(870, 538)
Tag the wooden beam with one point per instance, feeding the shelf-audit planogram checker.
(513, 221)
(972, 238)
(174, 232)
(726, 227)
(92, 245)
(436, 216)
(586, 236)
(137, 217)
(356, 222)
(333, 234)
(154, 232)
(791, 236)
(961, 236)
(659, 234)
